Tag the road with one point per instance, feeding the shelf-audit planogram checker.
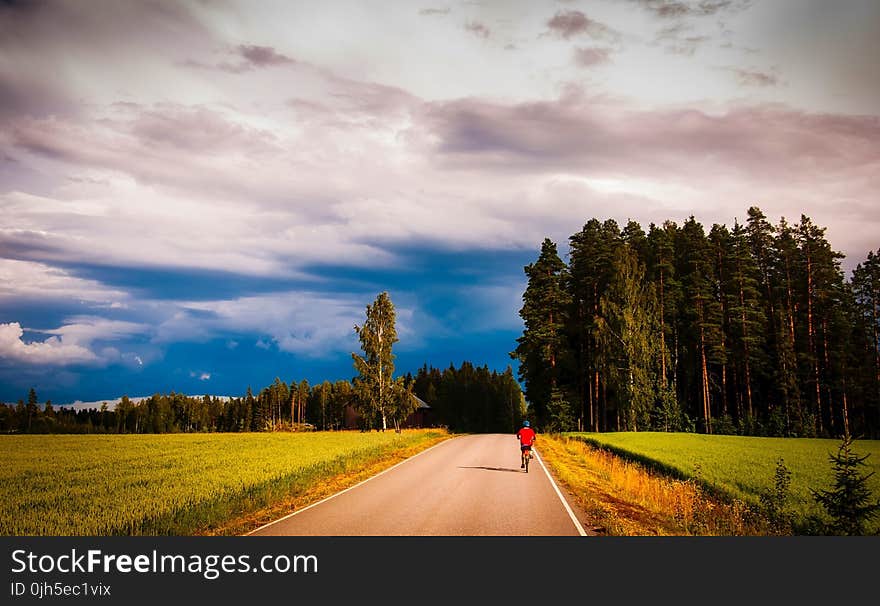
(465, 486)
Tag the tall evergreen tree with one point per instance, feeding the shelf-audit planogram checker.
(786, 374)
(542, 350)
(866, 298)
(591, 256)
(660, 270)
(630, 332)
(748, 318)
(699, 327)
(822, 292)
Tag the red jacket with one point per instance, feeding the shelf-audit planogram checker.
(526, 436)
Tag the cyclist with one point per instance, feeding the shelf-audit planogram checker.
(526, 437)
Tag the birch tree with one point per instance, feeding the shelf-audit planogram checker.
(375, 386)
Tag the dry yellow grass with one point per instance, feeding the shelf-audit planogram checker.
(624, 499)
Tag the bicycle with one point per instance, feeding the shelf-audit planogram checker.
(526, 457)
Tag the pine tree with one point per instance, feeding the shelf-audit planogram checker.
(850, 503)
(32, 407)
(720, 242)
(822, 293)
(866, 293)
(699, 329)
(543, 348)
(748, 319)
(660, 270)
(630, 333)
(787, 363)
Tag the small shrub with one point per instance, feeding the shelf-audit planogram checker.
(774, 500)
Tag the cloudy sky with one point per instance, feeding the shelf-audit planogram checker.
(201, 196)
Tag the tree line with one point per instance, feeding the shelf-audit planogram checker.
(471, 399)
(752, 329)
(279, 406)
(466, 399)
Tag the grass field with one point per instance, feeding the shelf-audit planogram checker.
(175, 484)
(741, 467)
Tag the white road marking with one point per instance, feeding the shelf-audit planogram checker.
(574, 519)
(290, 515)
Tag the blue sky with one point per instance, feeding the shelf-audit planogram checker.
(202, 196)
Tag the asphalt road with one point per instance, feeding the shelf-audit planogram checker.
(465, 486)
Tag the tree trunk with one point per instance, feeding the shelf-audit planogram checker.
(707, 416)
(662, 335)
(791, 336)
(811, 338)
(875, 303)
(829, 403)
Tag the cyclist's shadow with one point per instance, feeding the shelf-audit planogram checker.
(490, 468)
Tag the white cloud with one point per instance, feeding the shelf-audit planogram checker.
(30, 280)
(299, 322)
(53, 351)
(73, 343)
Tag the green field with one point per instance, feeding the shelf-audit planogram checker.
(742, 467)
(168, 484)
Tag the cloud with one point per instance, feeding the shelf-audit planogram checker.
(263, 56)
(478, 29)
(29, 281)
(71, 344)
(567, 24)
(675, 39)
(765, 154)
(571, 133)
(252, 57)
(53, 351)
(306, 323)
(754, 78)
(446, 174)
(676, 9)
(588, 57)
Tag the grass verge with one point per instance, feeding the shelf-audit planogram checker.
(624, 498)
